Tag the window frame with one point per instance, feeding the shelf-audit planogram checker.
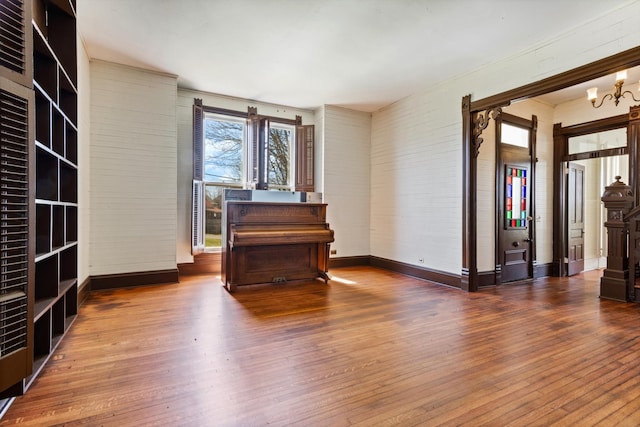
(255, 168)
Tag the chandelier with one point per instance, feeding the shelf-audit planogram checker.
(592, 93)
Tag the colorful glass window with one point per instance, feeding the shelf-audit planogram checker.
(516, 197)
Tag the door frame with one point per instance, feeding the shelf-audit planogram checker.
(476, 115)
(561, 158)
(532, 126)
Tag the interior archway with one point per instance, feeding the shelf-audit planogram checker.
(476, 116)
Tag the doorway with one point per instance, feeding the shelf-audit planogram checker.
(588, 156)
(515, 181)
(586, 234)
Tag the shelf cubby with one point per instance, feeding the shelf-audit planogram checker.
(69, 264)
(68, 183)
(43, 229)
(71, 222)
(42, 336)
(46, 175)
(57, 132)
(58, 316)
(57, 231)
(61, 33)
(43, 119)
(68, 99)
(71, 304)
(47, 278)
(45, 67)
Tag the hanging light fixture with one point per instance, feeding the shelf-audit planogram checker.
(592, 93)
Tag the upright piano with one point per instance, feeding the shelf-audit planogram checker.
(274, 242)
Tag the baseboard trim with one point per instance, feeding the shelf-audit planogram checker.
(350, 261)
(431, 275)
(126, 280)
(486, 278)
(543, 270)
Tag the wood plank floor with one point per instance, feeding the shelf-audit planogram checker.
(371, 348)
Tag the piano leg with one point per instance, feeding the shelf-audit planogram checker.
(326, 276)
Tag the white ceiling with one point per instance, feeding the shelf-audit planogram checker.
(361, 54)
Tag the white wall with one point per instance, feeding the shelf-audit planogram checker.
(84, 167)
(184, 178)
(132, 170)
(416, 178)
(417, 149)
(347, 136)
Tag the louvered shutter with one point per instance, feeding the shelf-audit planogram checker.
(198, 140)
(304, 158)
(258, 139)
(197, 195)
(16, 252)
(197, 220)
(15, 41)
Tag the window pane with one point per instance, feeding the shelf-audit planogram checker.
(280, 143)
(598, 141)
(514, 135)
(213, 216)
(223, 141)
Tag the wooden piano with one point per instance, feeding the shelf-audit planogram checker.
(274, 242)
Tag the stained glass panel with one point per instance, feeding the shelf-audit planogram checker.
(516, 197)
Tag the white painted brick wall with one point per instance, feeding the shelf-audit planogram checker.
(347, 136)
(132, 170)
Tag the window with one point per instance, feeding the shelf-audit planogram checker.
(615, 138)
(224, 140)
(223, 167)
(280, 152)
(243, 150)
(515, 135)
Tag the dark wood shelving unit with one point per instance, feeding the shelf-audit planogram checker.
(42, 191)
(56, 148)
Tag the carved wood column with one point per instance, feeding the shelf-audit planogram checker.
(473, 123)
(559, 199)
(469, 275)
(618, 200)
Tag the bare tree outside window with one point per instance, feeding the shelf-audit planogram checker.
(223, 147)
(279, 156)
(224, 157)
(223, 151)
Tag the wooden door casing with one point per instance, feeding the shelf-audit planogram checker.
(515, 242)
(575, 219)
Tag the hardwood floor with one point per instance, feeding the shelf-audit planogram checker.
(371, 348)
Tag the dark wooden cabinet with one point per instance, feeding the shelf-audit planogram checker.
(275, 242)
(39, 182)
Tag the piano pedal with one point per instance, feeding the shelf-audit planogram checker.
(279, 279)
